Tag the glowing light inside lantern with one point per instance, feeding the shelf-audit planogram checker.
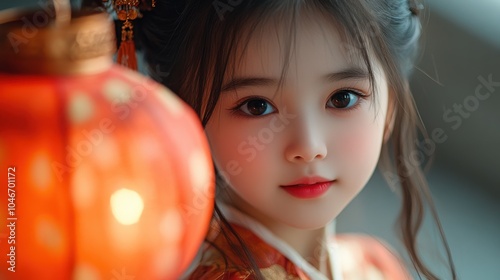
(126, 206)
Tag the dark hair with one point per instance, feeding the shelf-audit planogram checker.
(190, 44)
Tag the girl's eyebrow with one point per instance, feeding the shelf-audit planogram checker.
(239, 82)
(356, 73)
(348, 73)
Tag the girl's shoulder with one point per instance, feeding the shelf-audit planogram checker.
(367, 257)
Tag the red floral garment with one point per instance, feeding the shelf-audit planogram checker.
(362, 258)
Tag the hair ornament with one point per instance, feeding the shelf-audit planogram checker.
(127, 11)
(415, 7)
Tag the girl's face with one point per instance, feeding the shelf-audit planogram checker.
(323, 122)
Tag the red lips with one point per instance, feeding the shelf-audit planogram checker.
(308, 187)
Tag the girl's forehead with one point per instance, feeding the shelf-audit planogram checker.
(308, 42)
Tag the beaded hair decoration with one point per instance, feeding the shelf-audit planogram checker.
(127, 11)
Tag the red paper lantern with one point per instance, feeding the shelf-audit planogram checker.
(105, 173)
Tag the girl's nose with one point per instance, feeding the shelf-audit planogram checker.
(307, 143)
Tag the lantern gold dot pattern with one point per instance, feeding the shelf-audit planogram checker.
(107, 174)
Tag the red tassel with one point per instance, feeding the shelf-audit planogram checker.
(126, 55)
(127, 11)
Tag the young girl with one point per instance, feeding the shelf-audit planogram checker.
(299, 99)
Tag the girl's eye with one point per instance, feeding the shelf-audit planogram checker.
(256, 107)
(343, 99)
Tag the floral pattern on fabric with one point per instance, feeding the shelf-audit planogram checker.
(362, 258)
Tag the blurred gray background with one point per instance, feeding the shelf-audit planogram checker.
(460, 48)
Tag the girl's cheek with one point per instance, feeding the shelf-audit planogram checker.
(232, 147)
(359, 148)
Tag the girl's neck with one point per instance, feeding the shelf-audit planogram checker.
(310, 244)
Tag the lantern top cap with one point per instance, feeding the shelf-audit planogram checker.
(34, 42)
